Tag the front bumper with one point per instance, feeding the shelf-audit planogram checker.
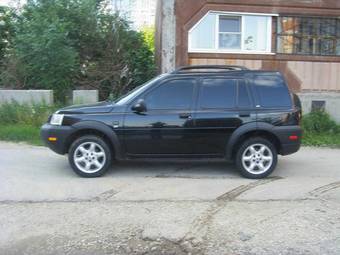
(288, 146)
(62, 135)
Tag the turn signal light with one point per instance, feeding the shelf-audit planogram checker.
(52, 139)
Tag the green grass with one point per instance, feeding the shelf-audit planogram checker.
(320, 130)
(321, 139)
(20, 133)
(22, 122)
(25, 114)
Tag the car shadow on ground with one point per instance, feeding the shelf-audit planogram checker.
(174, 169)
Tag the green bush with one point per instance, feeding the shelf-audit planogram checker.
(320, 130)
(319, 122)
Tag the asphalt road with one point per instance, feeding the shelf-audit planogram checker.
(176, 207)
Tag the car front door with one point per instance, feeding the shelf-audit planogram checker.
(223, 105)
(165, 128)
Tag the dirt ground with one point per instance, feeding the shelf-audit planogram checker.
(168, 207)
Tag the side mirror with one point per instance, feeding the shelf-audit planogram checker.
(139, 107)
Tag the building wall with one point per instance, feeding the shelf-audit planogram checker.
(304, 73)
(302, 76)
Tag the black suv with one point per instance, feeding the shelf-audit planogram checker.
(194, 112)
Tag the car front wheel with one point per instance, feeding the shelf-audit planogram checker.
(89, 156)
(256, 158)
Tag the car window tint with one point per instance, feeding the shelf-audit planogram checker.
(272, 91)
(218, 93)
(243, 96)
(175, 94)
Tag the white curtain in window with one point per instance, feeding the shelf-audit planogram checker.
(255, 33)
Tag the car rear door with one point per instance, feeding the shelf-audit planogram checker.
(223, 105)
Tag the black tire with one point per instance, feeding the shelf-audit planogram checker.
(242, 149)
(100, 144)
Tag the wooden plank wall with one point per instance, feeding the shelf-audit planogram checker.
(314, 76)
(317, 76)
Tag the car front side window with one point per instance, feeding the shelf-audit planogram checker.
(172, 95)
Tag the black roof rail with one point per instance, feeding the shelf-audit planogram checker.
(212, 67)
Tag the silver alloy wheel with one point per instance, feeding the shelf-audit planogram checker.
(257, 159)
(89, 157)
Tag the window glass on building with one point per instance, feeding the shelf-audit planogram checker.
(203, 36)
(308, 35)
(229, 32)
(223, 32)
(172, 95)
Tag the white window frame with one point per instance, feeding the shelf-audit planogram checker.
(242, 15)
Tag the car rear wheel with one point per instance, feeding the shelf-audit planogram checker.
(90, 156)
(256, 158)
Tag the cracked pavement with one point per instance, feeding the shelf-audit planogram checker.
(168, 207)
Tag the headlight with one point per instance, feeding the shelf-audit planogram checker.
(57, 119)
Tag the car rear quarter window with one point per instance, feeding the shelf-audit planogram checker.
(218, 94)
(272, 92)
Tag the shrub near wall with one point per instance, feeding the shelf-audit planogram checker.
(22, 122)
(25, 114)
(320, 130)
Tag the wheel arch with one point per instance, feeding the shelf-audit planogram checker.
(243, 133)
(99, 129)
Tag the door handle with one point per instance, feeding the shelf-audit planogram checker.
(185, 115)
(244, 115)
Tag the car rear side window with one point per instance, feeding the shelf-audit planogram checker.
(272, 92)
(218, 94)
(172, 95)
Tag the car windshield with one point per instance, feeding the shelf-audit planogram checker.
(127, 97)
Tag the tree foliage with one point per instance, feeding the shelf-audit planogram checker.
(149, 37)
(63, 44)
(7, 29)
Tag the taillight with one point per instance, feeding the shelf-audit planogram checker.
(293, 138)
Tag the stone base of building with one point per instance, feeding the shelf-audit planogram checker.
(329, 101)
